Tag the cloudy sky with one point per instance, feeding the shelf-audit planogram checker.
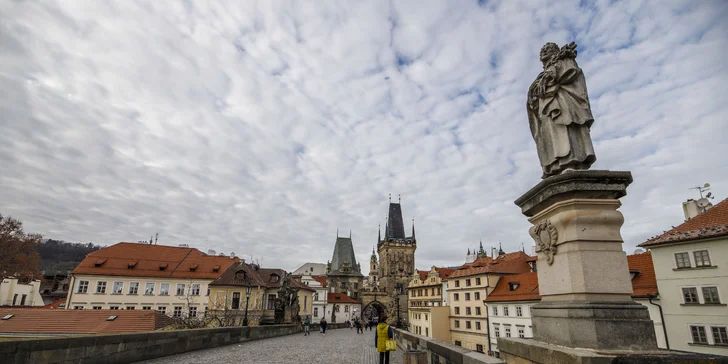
(261, 128)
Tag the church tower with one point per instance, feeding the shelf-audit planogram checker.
(343, 273)
(373, 276)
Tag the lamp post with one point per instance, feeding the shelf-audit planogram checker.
(247, 299)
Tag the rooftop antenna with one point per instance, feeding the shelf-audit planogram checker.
(400, 197)
(702, 189)
(349, 233)
(390, 197)
(156, 238)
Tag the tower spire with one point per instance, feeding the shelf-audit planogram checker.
(500, 249)
(379, 234)
(413, 228)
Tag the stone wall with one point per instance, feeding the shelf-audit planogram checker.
(129, 348)
(440, 352)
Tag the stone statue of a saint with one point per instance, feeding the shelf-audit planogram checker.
(559, 113)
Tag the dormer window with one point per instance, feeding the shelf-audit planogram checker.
(274, 278)
(240, 275)
(513, 285)
(216, 268)
(163, 266)
(132, 264)
(99, 263)
(194, 267)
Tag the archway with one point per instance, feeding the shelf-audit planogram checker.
(372, 311)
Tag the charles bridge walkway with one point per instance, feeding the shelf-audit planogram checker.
(343, 346)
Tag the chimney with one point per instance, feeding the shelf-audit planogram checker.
(232, 255)
(211, 252)
(692, 208)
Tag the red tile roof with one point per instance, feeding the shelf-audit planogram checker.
(507, 263)
(527, 289)
(258, 277)
(644, 283)
(79, 322)
(340, 298)
(710, 224)
(320, 279)
(443, 273)
(55, 304)
(144, 260)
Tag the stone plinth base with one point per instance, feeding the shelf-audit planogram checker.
(603, 325)
(528, 351)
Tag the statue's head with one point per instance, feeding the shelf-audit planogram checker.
(547, 51)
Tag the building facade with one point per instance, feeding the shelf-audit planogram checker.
(427, 314)
(468, 287)
(341, 308)
(13, 292)
(692, 279)
(133, 276)
(343, 273)
(509, 308)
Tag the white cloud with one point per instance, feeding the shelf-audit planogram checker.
(261, 128)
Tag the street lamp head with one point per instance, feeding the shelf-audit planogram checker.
(248, 289)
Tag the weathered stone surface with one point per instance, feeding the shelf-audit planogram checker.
(574, 184)
(528, 351)
(440, 351)
(609, 326)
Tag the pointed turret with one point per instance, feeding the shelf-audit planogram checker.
(481, 251)
(500, 249)
(413, 228)
(374, 256)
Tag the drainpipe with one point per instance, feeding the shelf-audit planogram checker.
(487, 324)
(70, 291)
(662, 318)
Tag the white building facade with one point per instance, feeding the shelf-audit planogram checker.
(691, 268)
(14, 293)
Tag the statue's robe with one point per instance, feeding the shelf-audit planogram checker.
(560, 120)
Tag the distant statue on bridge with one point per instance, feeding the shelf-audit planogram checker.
(559, 113)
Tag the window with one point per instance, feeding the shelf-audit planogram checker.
(130, 307)
(96, 307)
(508, 330)
(271, 302)
(193, 311)
(336, 308)
(149, 289)
(177, 311)
(519, 311)
(456, 296)
(682, 260)
(457, 310)
(164, 289)
(479, 348)
(180, 289)
(457, 283)
(496, 330)
(162, 309)
(458, 343)
(457, 324)
(425, 317)
(113, 307)
(477, 295)
(495, 310)
(698, 333)
(346, 308)
(690, 295)
(467, 296)
(467, 310)
(22, 299)
(505, 310)
(133, 287)
(78, 307)
(701, 258)
(118, 288)
(206, 309)
(719, 335)
(315, 312)
(710, 295)
(477, 281)
(467, 325)
(82, 287)
(305, 302)
(195, 288)
(235, 305)
(427, 331)
(477, 325)
(315, 296)
(208, 291)
(15, 298)
(101, 287)
(146, 308)
(521, 332)
(467, 282)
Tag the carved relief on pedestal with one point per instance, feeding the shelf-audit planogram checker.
(546, 237)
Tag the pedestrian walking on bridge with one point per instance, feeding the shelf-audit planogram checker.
(381, 334)
(306, 326)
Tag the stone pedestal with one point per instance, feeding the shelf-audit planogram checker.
(583, 275)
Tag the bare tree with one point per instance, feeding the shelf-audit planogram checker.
(18, 254)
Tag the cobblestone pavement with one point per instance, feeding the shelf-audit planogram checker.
(338, 346)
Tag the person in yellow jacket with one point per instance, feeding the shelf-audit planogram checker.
(382, 333)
